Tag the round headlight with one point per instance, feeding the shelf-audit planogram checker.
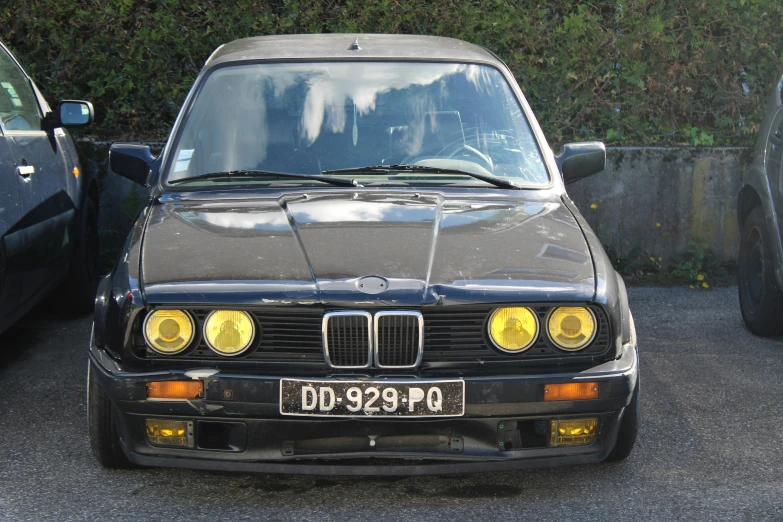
(168, 331)
(571, 327)
(229, 332)
(513, 329)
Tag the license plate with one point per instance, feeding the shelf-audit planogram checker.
(372, 398)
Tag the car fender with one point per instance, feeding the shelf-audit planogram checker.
(627, 329)
(119, 297)
(103, 303)
(609, 287)
(755, 184)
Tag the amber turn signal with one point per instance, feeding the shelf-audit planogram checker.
(571, 391)
(174, 389)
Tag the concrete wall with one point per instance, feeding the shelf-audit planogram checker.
(645, 204)
(650, 200)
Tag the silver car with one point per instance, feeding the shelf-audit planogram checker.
(759, 208)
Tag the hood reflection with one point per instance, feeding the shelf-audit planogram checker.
(428, 247)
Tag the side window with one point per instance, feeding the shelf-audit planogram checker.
(18, 105)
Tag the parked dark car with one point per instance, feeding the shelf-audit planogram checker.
(48, 204)
(759, 207)
(359, 257)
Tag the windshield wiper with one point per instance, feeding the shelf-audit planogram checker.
(388, 169)
(268, 173)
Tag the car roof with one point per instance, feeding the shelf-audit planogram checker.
(339, 47)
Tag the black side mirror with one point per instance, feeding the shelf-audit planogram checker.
(579, 160)
(131, 161)
(71, 114)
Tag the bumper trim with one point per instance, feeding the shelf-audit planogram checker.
(399, 466)
(624, 366)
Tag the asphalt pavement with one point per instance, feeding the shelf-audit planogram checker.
(710, 445)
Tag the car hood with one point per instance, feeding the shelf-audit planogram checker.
(364, 248)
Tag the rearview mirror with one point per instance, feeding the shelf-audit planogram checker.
(131, 161)
(579, 160)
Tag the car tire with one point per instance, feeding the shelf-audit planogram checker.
(629, 428)
(104, 438)
(84, 272)
(761, 301)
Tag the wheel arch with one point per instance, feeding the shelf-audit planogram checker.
(748, 200)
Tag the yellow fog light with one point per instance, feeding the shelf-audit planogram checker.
(168, 432)
(571, 327)
(168, 331)
(572, 432)
(229, 332)
(513, 329)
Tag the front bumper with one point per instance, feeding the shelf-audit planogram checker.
(255, 437)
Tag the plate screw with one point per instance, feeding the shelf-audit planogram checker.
(228, 394)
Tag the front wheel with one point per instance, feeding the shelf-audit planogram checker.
(104, 438)
(761, 301)
(629, 428)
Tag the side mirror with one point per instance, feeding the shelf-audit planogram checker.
(131, 161)
(579, 160)
(70, 113)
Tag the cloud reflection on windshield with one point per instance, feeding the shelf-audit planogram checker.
(332, 86)
(307, 117)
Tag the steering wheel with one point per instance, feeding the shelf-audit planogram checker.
(460, 147)
(9, 115)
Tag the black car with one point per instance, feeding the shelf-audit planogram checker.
(359, 257)
(48, 204)
(759, 207)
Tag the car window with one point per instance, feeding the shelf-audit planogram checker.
(18, 105)
(311, 117)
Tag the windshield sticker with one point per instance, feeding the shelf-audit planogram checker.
(181, 166)
(12, 93)
(183, 160)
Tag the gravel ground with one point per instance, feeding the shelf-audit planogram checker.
(710, 447)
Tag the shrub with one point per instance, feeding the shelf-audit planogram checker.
(625, 71)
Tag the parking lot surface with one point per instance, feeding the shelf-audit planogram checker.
(710, 445)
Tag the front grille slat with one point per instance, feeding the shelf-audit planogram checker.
(347, 339)
(397, 339)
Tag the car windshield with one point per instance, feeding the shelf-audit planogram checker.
(308, 118)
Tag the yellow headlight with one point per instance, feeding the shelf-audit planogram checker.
(513, 329)
(168, 331)
(229, 332)
(571, 327)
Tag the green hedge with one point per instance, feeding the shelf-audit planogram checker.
(691, 72)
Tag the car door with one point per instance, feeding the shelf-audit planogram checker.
(40, 242)
(10, 281)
